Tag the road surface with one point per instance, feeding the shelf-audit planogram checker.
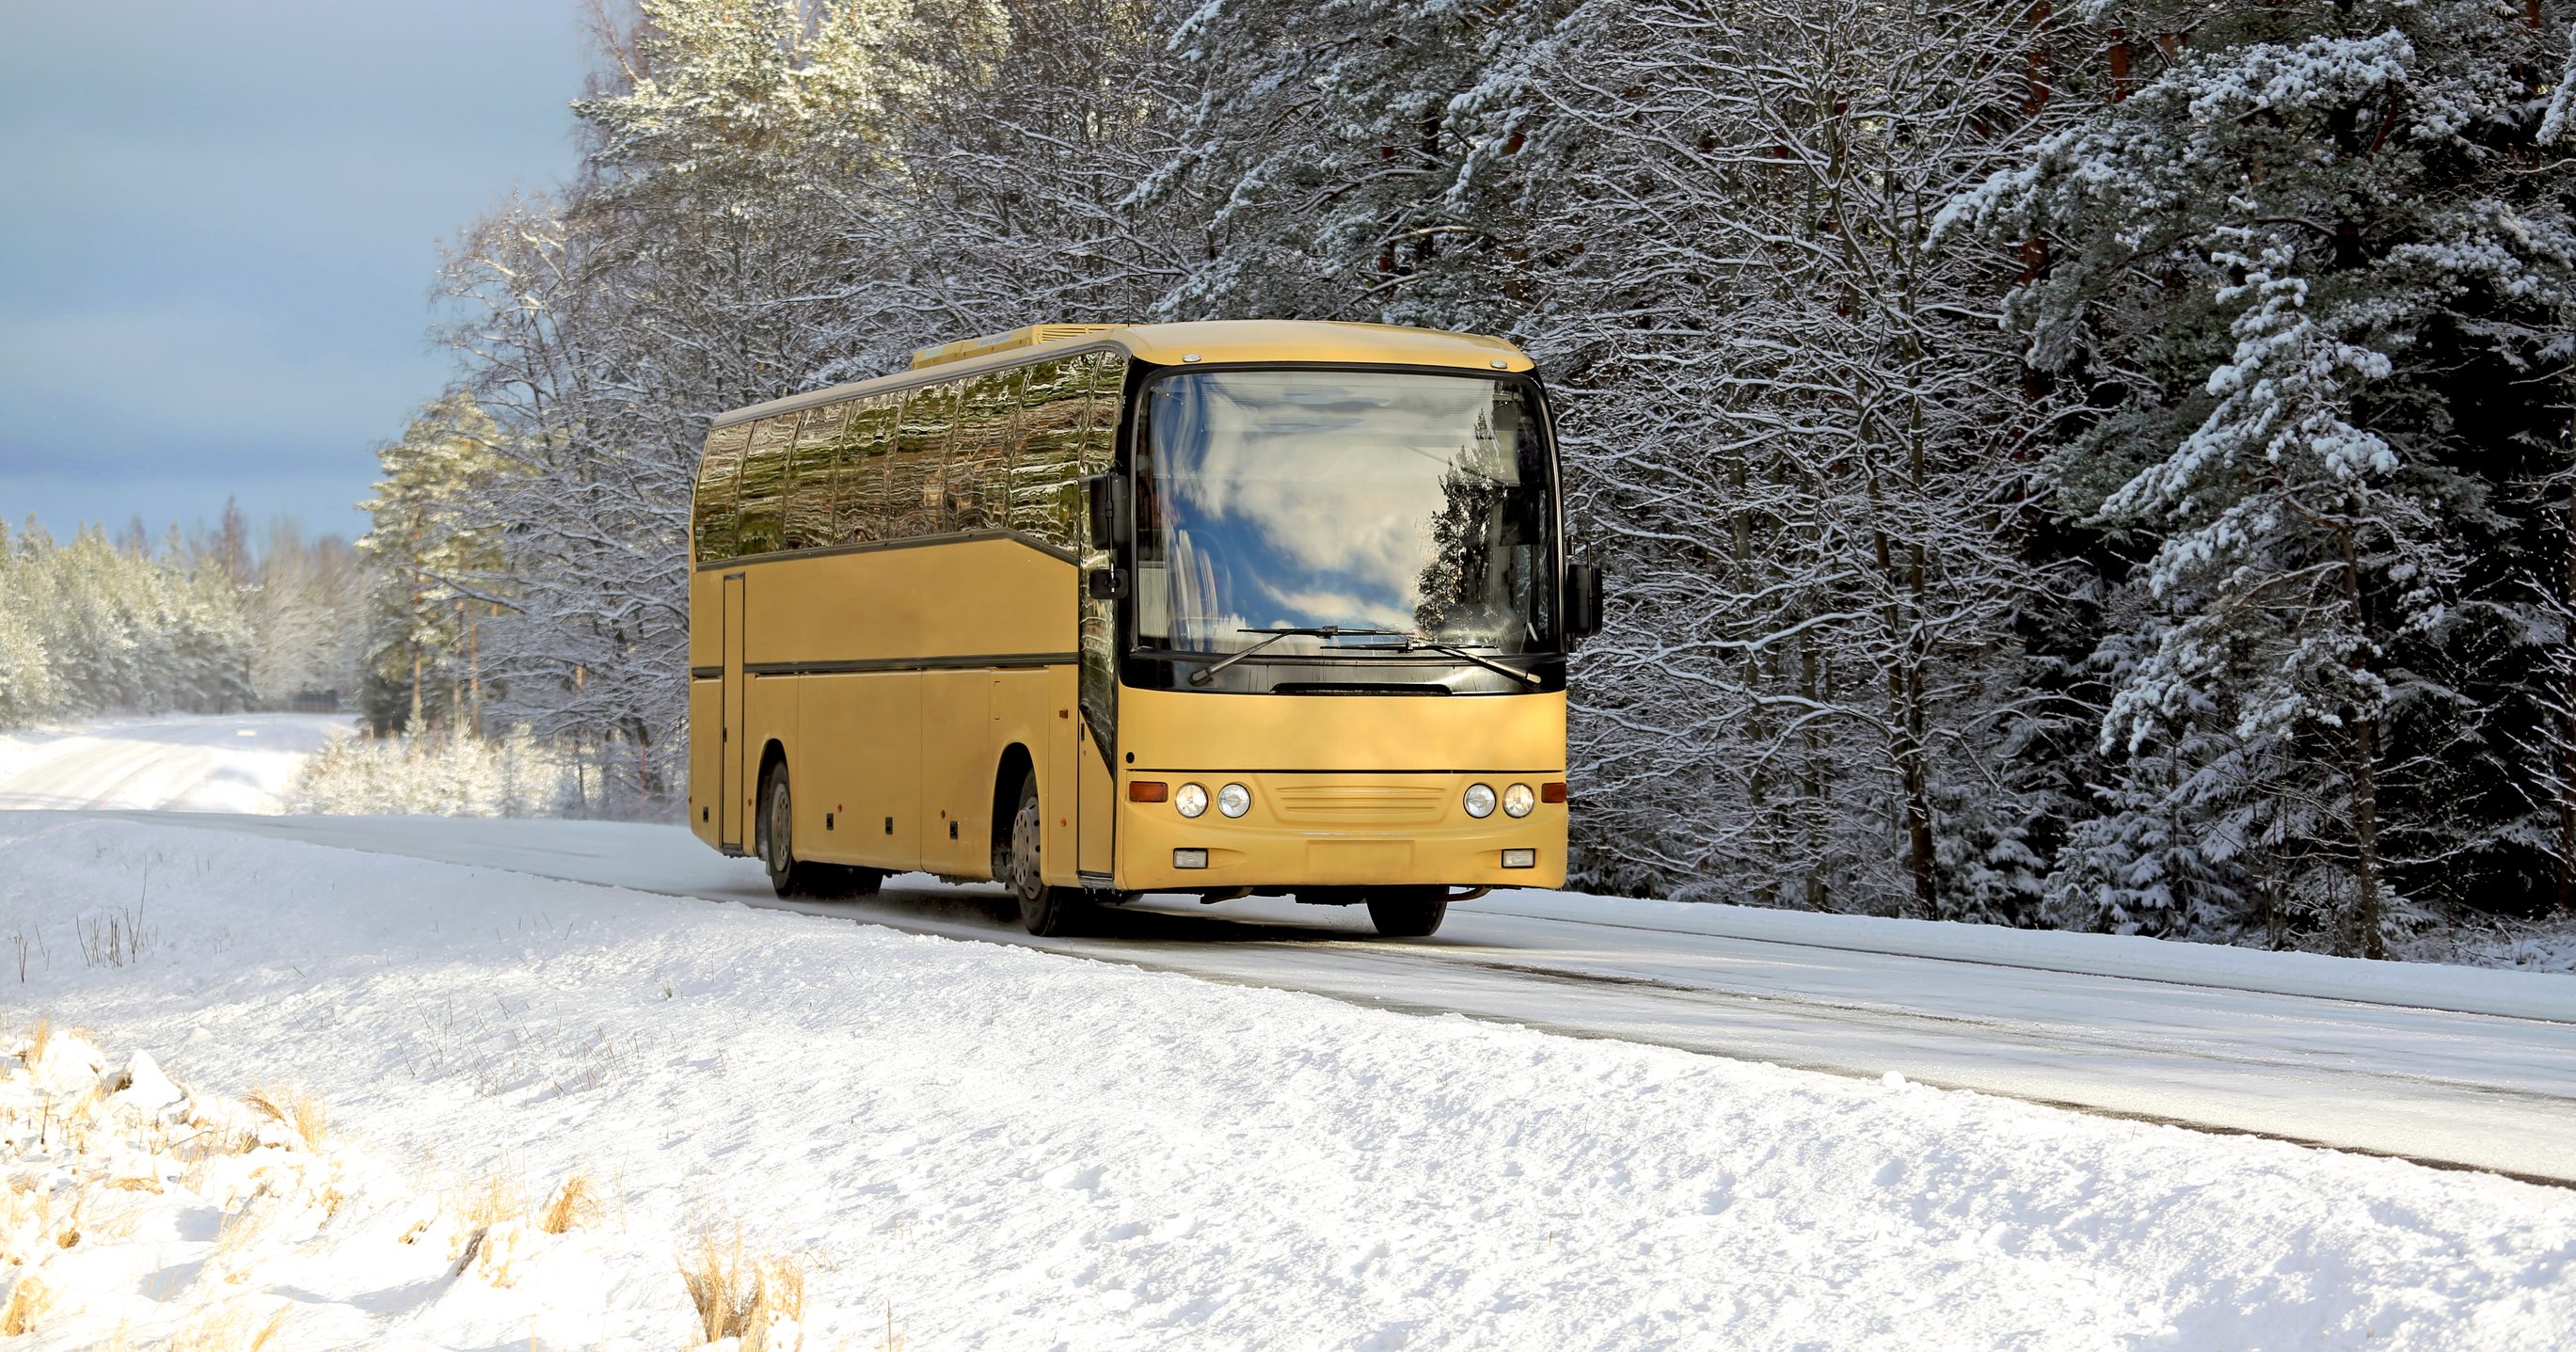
(182, 762)
(2386, 1075)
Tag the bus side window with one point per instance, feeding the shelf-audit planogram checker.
(978, 472)
(808, 513)
(866, 454)
(911, 502)
(1105, 373)
(1046, 451)
(713, 512)
(764, 481)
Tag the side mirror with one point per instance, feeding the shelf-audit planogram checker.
(1582, 601)
(1112, 516)
(1106, 584)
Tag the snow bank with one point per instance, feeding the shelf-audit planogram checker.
(990, 1146)
(2547, 945)
(2537, 993)
(513, 776)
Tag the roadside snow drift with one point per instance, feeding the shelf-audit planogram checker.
(980, 1146)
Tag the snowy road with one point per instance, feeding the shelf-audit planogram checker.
(240, 763)
(2387, 1058)
(978, 1144)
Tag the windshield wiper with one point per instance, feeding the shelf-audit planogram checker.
(1203, 675)
(1416, 642)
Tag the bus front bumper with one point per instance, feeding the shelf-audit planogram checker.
(1323, 829)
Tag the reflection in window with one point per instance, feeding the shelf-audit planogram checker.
(977, 479)
(764, 483)
(809, 477)
(1046, 455)
(713, 513)
(1412, 503)
(1001, 449)
(866, 446)
(911, 505)
(1102, 377)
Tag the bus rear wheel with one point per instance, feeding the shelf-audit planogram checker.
(1044, 910)
(1408, 912)
(790, 876)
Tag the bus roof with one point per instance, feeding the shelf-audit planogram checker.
(1213, 341)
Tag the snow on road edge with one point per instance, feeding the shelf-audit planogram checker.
(1005, 1147)
(2427, 985)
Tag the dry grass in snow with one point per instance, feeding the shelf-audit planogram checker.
(137, 1213)
(757, 1298)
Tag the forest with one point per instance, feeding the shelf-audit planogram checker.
(2070, 463)
(225, 619)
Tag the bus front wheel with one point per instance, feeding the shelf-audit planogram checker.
(1408, 912)
(1044, 910)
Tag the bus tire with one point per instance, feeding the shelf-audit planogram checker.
(787, 876)
(1408, 912)
(1044, 911)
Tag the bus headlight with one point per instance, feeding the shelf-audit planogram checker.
(1518, 800)
(1480, 800)
(1234, 800)
(1191, 799)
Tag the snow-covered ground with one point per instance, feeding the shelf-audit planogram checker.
(141, 1213)
(2434, 1063)
(2421, 1060)
(984, 1145)
(236, 763)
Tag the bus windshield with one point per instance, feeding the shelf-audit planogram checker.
(1412, 505)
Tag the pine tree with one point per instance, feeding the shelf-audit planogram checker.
(2285, 279)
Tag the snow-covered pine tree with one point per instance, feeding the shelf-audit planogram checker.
(2305, 303)
(428, 549)
(96, 628)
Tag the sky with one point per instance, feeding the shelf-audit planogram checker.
(219, 233)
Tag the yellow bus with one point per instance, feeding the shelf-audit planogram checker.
(1226, 609)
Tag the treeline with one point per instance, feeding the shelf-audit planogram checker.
(2103, 465)
(211, 623)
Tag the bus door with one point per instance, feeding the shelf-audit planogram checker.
(1095, 800)
(735, 745)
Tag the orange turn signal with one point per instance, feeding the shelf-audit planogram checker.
(1552, 791)
(1147, 791)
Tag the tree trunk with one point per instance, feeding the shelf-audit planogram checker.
(2566, 785)
(2369, 911)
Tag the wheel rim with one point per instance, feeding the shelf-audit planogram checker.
(1024, 851)
(779, 845)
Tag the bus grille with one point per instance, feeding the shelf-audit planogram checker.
(1359, 802)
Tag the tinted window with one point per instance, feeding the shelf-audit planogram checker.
(809, 476)
(866, 452)
(1003, 449)
(1047, 450)
(913, 488)
(764, 483)
(977, 479)
(713, 517)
